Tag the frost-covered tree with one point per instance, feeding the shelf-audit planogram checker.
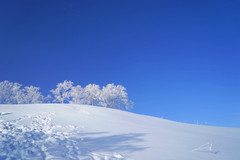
(62, 92)
(110, 96)
(13, 93)
(48, 99)
(32, 95)
(77, 94)
(115, 97)
(92, 94)
(10, 93)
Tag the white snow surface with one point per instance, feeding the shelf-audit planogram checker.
(72, 132)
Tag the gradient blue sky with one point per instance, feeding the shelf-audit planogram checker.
(179, 60)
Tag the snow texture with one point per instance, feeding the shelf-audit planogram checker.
(78, 132)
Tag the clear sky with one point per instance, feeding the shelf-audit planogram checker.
(179, 60)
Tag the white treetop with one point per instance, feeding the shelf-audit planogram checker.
(32, 95)
(109, 96)
(115, 97)
(77, 94)
(62, 92)
(10, 93)
(92, 94)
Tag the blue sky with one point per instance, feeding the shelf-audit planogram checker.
(178, 59)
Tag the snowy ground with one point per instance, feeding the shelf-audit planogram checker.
(71, 132)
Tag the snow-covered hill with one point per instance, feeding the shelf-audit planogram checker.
(66, 131)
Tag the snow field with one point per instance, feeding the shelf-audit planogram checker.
(72, 132)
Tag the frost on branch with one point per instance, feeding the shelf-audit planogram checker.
(76, 94)
(10, 93)
(13, 93)
(109, 96)
(32, 95)
(62, 92)
(115, 97)
(92, 94)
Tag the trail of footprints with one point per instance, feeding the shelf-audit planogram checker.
(41, 140)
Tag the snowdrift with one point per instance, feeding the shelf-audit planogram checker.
(72, 132)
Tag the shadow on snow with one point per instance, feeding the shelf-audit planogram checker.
(21, 142)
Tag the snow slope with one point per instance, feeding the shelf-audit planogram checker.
(71, 132)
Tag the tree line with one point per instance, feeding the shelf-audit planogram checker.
(110, 96)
